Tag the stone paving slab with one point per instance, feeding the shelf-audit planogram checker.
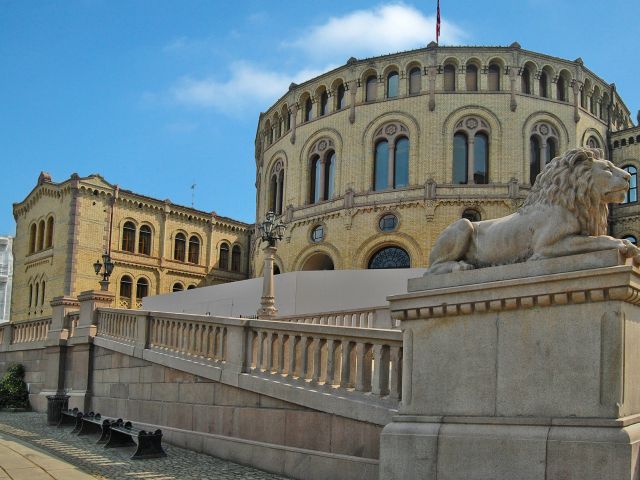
(58, 454)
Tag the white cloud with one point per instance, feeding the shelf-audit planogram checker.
(246, 86)
(384, 29)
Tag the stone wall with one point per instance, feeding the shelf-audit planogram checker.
(34, 365)
(125, 386)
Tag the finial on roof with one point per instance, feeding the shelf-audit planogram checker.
(352, 60)
(292, 85)
(515, 45)
(44, 177)
(432, 44)
(579, 61)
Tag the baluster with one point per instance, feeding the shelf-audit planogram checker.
(395, 383)
(198, 340)
(363, 372)
(304, 356)
(250, 340)
(260, 352)
(291, 367)
(317, 356)
(380, 384)
(346, 367)
(223, 344)
(271, 338)
(210, 347)
(281, 347)
(332, 346)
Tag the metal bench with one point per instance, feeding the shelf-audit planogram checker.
(96, 423)
(71, 417)
(149, 444)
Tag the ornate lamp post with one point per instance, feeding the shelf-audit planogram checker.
(270, 232)
(106, 268)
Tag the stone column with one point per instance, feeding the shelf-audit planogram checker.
(390, 169)
(575, 85)
(323, 179)
(268, 308)
(294, 122)
(513, 77)
(470, 159)
(278, 205)
(352, 106)
(432, 72)
(526, 371)
(543, 155)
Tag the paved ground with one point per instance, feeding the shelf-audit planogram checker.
(31, 450)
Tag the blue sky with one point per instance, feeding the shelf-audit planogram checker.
(157, 95)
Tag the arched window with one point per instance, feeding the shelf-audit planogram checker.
(494, 77)
(392, 84)
(543, 147)
(41, 235)
(142, 288)
(471, 151)
(340, 97)
(236, 257)
(534, 158)
(144, 240)
(194, 249)
(471, 78)
(37, 295)
(276, 270)
(632, 194)
(125, 287)
(223, 261)
(561, 87)
(308, 109)
(390, 257)
(30, 295)
(179, 247)
(286, 119)
(32, 238)
(449, 78)
(415, 78)
(460, 158)
(177, 287)
(631, 239)
(268, 132)
(128, 237)
(324, 102)
(481, 159)
(472, 215)
(49, 240)
(276, 188)
(322, 174)
(391, 162)
(526, 81)
(381, 167)
(371, 88)
(42, 292)
(543, 84)
(592, 142)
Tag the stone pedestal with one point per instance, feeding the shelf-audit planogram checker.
(527, 371)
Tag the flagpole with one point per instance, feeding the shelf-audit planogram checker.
(438, 23)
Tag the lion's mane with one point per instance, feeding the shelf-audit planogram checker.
(566, 181)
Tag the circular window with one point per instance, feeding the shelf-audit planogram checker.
(390, 257)
(317, 234)
(388, 222)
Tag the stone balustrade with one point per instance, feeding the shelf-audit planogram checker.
(365, 360)
(198, 338)
(28, 332)
(118, 324)
(71, 323)
(377, 317)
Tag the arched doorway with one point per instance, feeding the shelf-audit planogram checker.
(318, 261)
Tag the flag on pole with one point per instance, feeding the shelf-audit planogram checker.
(438, 23)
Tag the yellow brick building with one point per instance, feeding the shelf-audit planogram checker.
(157, 246)
(369, 162)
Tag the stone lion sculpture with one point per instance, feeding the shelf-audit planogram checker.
(565, 213)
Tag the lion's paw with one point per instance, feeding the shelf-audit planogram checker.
(629, 250)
